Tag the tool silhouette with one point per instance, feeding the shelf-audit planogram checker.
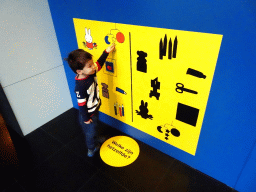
(195, 73)
(180, 88)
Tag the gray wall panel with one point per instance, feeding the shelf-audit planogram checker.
(31, 69)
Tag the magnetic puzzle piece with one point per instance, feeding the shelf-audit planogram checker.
(115, 108)
(110, 66)
(106, 39)
(119, 37)
(120, 111)
(119, 108)
(105, 92)
(156, 85)
(121, 91)
(144, 111)
(187, 114)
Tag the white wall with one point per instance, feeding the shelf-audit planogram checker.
(31, 68)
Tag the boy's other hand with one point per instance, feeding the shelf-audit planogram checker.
(111, 48)
(88, 122)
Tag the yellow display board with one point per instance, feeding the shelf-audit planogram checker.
(158, 80)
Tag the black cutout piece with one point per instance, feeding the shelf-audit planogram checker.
(180, 88)
(142, 62)
(172, 52)
(159, 128)
(195, 73)
(156, 85)
(168, 130)
(162, 47)
(175, 132)
(170, 49)
(144, 111)
(187, 114)
(175, 47)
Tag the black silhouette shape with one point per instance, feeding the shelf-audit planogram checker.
(175, 132)
(156, 85)
(159, 128)
(170, 49)
(172, 53)
(144, 111)
(142, 62)
(195, 73)
(175, 47)
(162, 47)
(180, 88)
(166, 136)
(187, 114)
(169, 129)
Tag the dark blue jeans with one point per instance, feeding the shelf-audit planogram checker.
(90, 131)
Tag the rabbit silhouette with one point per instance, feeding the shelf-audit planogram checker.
(144, 109)
(88, 38)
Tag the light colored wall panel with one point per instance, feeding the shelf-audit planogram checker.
(31, 68)
(28, 41)
(39, 99)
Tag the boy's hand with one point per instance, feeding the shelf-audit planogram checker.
(88, 122)
(111, 48)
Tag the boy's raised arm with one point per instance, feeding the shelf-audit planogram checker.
(100, 62)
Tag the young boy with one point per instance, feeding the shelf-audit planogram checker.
(87, 93)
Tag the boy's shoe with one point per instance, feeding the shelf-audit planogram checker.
(91, 152)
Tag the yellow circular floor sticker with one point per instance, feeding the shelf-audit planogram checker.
(119, 151)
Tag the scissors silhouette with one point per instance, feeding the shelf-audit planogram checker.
(180, 88)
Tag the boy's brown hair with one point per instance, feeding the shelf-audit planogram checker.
(77, 59)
